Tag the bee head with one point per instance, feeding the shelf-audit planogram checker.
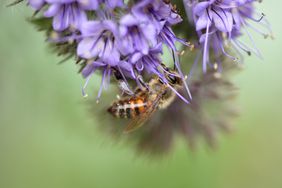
(172, 77)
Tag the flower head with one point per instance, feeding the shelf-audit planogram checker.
(220, 23)
(68, 14)
(131, 42)
(148, 62)
(90, 68)
(125, 39)
(99, 41)
(136, 35)
(162, 15)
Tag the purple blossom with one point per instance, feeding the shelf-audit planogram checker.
(136, 35)
(162, 15)
(69, 14)
(133, 45)
(128, 39)
(149, 62)
(151, 21)
(158, 11)
(89, 70)
(99, 45)
(221, 22)
(99, 41)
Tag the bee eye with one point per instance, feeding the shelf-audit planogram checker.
(165, 67)
(172, 79)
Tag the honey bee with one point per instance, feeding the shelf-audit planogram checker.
(145, 101)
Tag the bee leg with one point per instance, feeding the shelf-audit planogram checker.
(141, 82)
(122, 83)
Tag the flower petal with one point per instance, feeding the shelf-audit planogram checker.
(223, 19)
(203, 22)
(52, 10)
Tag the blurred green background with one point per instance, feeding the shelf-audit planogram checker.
(47, 138)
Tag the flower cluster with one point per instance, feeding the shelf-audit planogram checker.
(111, 35)
(125, 39)
(128, 36)
(219, 23)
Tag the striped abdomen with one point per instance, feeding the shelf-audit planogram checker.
(128, 108)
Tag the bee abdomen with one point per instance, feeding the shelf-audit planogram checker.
(129, 108)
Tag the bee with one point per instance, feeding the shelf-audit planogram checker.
(145, 101)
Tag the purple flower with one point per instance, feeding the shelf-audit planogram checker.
(162, 15)
(128, 40)
(221, 22)
(99, 41)
(89, 70)
(149, 62)
(136, 35)
(99, 46)
(124, 67)
(69, 13)
(158, 11)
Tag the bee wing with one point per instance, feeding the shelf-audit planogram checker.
(141, 119)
